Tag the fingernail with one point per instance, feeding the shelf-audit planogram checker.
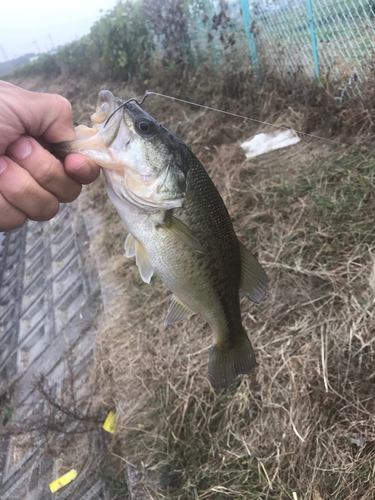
(81, 170)
(20, 149)
(3, 164)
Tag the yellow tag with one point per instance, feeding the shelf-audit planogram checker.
(63, 480)
(110, 423)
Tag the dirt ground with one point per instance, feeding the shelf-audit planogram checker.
(301, 426)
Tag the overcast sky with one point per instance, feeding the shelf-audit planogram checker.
(23, 21)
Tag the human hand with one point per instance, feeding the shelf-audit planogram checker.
(32, 181)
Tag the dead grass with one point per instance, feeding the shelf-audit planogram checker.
(304, 421)
(301, 426)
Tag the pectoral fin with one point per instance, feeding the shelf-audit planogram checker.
(143, 262)
(130, 246)
(177, 311)
(254, 281)
(180, 231)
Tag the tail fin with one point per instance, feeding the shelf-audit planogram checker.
(227, 362)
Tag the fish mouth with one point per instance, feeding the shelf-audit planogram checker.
(108, 136)
(106, 104)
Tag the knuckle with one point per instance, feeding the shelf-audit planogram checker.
(20, 188)
(50, 209)
(10, 216)
(64, 106)
(19, 219)
(47, 172)
(24, 194)
(72, 194)
(12, 220)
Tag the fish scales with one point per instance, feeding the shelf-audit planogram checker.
(206, 282)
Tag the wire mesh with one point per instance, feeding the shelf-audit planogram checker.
(283, 37)
(217, 32)
(335, 40)
(344, 32)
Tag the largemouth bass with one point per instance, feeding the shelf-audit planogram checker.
(178, 226)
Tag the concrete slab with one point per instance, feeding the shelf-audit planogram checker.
(49, 300)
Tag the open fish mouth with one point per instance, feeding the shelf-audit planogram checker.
(108, 135)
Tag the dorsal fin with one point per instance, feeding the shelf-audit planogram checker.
(177, 311)
(254, 281)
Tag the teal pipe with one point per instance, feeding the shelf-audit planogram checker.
(246, 16)
(209, 9)
(214, 53)
(313, 37)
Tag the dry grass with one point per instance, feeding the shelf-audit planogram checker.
(304, 421)
(302, 425)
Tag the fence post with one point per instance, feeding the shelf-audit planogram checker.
(246, 16)
(214, 53)
(186, 45)
(313, 37)
(209, 8)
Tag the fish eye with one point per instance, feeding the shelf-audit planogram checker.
(145, 126)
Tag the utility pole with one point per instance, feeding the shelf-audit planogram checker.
(53, 45)
(37, 46)
(3, 52)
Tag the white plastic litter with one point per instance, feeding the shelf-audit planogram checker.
(356, 439)
(263, 143)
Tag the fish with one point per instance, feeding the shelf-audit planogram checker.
(179, 226)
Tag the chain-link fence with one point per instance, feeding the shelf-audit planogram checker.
(332, 39)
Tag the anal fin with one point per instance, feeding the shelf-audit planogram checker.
(254, 281)
(177, 311)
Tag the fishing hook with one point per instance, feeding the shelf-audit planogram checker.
(124, 104)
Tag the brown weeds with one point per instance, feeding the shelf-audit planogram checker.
(303, 423)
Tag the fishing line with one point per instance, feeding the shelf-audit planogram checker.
(221, 111)
(243, 117)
